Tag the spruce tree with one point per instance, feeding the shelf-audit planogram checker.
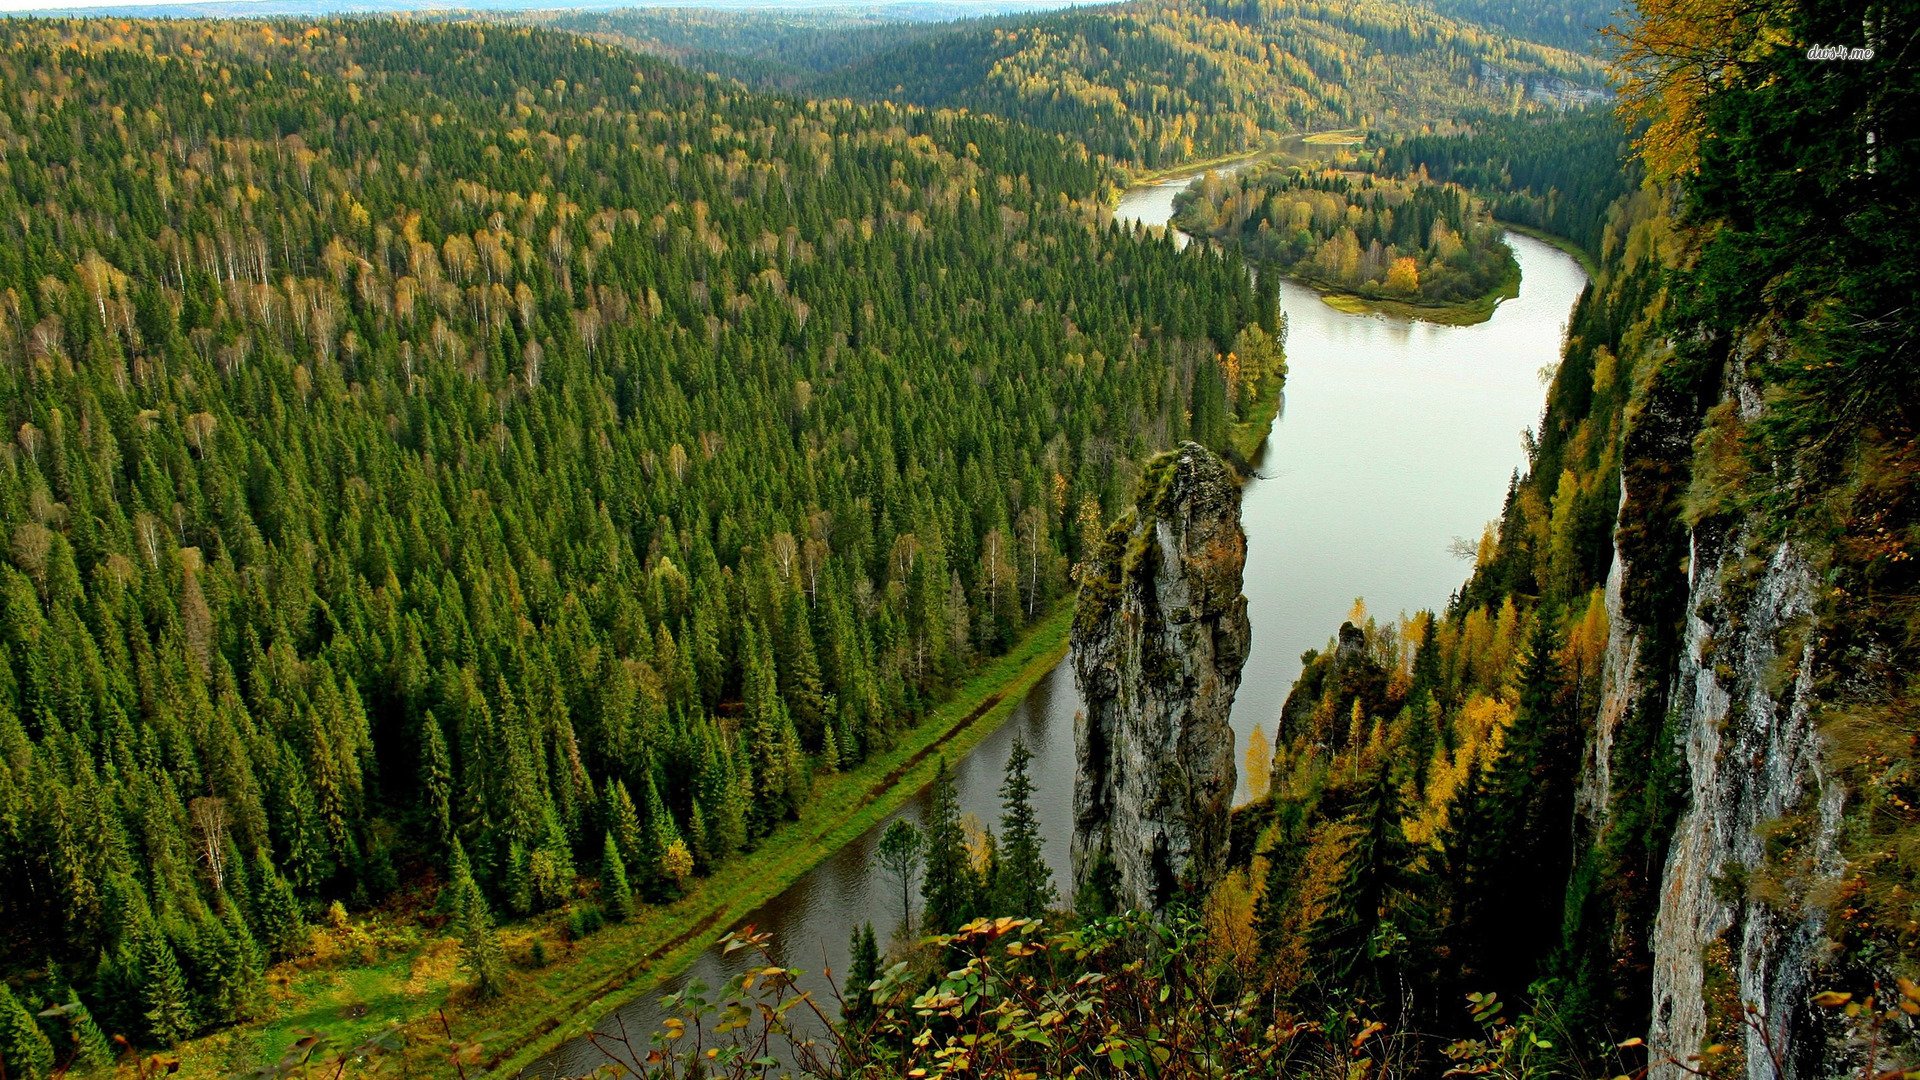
(25, 1050)
(663, 838)
(90, 1045)
(861, 972)
(632, 840)
(480, 951)
(1531, 789)
(436, 783)
(1022, 883)
(164, 1002)
(276, 910)
(614, 890)
(899, 854)
(948, 885)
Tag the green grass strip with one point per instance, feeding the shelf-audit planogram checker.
(657, 948)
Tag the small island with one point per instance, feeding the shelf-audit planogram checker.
(1407, 246)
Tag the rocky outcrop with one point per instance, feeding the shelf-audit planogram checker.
(1735, 925)
(1730, 915)
(1159, 636)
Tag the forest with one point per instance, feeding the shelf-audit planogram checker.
(463, 477)
(1557, 172)
(1147, 85)
(1455, 857)
(1408, 240)
(482, 456)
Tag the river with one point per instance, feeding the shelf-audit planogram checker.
(1396, 438)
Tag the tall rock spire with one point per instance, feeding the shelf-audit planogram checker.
(1159, 637)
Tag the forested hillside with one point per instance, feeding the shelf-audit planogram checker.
(1413, 241)
(474, 453)
(1649, 773)
(782, 49)
(1640, 799)
(1574, 25)
(1559, 172)
(1156, 84)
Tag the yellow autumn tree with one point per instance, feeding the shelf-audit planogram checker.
(1259, 762)
(1674, 55)
(1403, 276)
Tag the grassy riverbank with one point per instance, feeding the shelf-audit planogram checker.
(395, 970)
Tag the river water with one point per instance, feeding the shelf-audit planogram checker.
(1396, 438)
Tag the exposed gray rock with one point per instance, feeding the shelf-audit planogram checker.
(1742, 704)
(1159, 636)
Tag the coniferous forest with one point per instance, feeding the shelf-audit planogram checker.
(452, 451)
(468, 487)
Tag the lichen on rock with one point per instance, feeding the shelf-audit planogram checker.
(1159, 637)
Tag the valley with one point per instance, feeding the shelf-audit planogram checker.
(736, 542)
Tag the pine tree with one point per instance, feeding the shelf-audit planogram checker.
(90, 1045)
(1530, 789)
(1022, 882)
(665, 846)
(480, 951)
(276, 911)
(550, 866)
(862, 971)
(623, 825)
(436, 782)
(948, 885)
(163, 998)
(25, 1051)
(899, 854)
(614, 889)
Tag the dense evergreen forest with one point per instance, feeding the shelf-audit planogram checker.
(470, 472)
(1558, 172)
(476, 454)
(1574, 25)
(1425, 243)
(771, 49)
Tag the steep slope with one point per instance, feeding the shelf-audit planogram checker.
(1653, 768)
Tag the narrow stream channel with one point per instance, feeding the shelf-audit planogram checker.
(1396, 437)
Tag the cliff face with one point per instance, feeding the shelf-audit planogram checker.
(1159, 637)
(1735, 924)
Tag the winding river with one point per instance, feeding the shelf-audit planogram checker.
(1396, 438)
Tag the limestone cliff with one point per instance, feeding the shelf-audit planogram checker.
(1159, 637)
(1733, 926)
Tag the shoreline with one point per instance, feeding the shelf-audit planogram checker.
(1244, 157)
(1045, 647)
(910, 767)
(587, 981)
(1559, 242)
(1461, 313)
